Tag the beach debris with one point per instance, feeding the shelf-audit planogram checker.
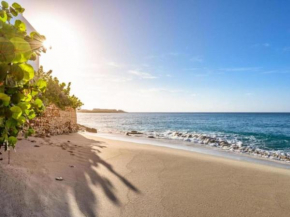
(68, 141)
(133, 132)
(32, 141)
(37, 146)
(151, 137)
(59, 178)
(72, 166)
(1, 159)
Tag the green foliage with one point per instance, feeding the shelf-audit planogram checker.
(21, 96)
(56, 92)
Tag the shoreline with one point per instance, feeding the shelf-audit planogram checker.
(195, 147)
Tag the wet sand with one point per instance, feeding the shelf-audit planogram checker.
(103, 177)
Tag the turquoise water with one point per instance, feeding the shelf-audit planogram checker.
(267, 131)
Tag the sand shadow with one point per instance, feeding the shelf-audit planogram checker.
(85, 197)
(25, 195)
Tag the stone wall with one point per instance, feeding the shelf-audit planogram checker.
(55, 121)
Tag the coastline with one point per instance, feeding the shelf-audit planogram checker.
(120, 178)
(195, 147)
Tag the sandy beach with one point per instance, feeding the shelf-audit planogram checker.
(103, 177)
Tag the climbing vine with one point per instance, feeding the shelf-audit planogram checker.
(20, 92)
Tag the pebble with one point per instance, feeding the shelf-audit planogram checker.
(59, 178)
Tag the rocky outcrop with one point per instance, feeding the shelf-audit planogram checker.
(55, 121)
(87, 129)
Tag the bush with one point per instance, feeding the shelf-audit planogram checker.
(20, 93)
(56, 92)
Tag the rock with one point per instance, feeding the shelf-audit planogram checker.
(32, 141)
(127, 134)
(72, 166)
(1, 159)
(223, 143)
(37, 146)
(88, 129)
(59, 178)
(135, 132)
(151, 137)
(91, 130)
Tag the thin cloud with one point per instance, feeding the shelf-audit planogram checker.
(192, 69)
(241, 69)
(158, 90)
(161, 56)
(286, 49)
(143, 75)
(249, 94)
(266, 45)
(114, 64)
(275, 72)
(196, 59)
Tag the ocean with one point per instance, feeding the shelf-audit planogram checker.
(258, 133)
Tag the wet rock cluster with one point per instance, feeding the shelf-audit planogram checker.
(235, 146)
(86, 129)
(133, 132)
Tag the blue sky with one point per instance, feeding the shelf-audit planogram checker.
(183, 56)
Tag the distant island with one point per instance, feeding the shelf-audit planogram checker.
(96, 110)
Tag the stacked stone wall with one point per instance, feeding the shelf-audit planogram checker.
(55, 121)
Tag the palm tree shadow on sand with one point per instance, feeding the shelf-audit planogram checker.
(88, 156)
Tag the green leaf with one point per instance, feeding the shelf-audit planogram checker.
(18, 7)
(4, 4)
(24, 106)
(12, 141)
(10, 123)
(27, 98)
(31, 115)
(28, 71)
(21, 120)
(5, 98)
(22, 50)
(38, 102)
(34, 93)
(17, 72)
(6, 51)
(3, 16)
(20, 25)
(15, 98)
(30, 131)
(13, 11)
(33, 56)
(17, 112)
(41, 84)
(3, 71)
(9, 16)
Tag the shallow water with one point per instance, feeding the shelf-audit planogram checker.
(267, 131)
